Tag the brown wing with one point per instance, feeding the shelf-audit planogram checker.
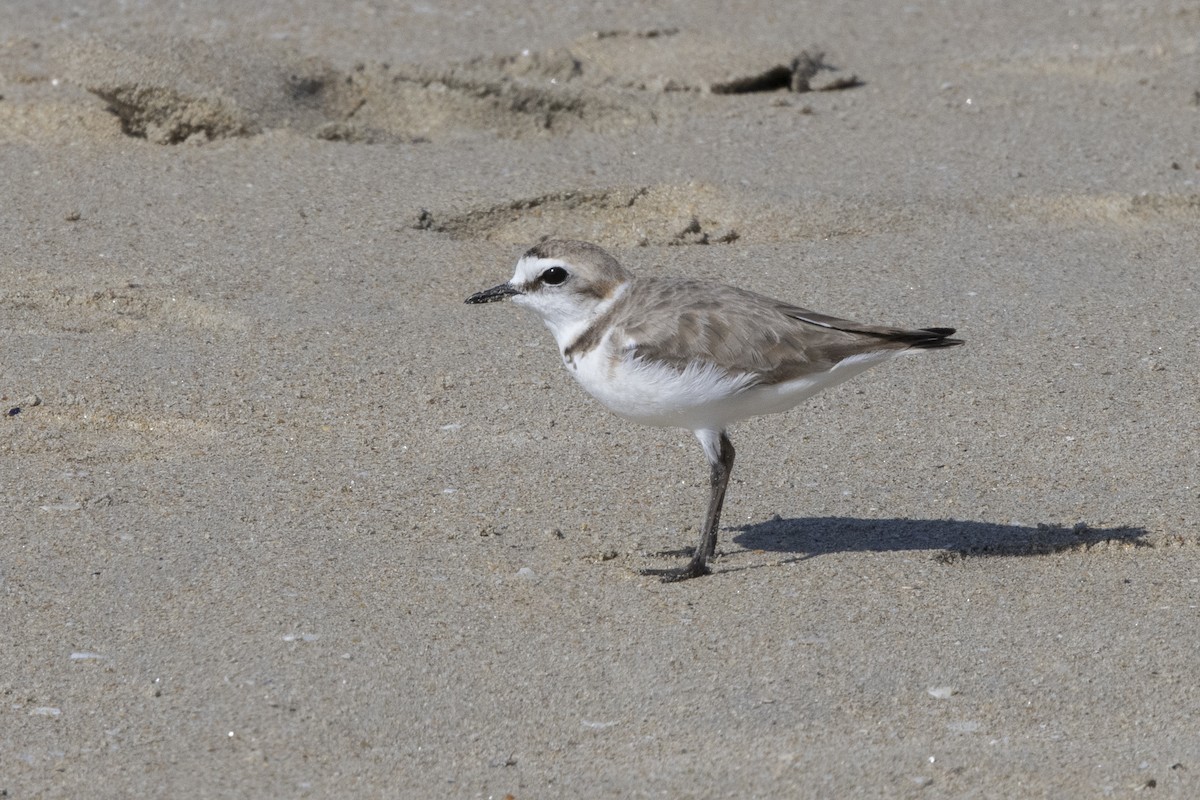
(743, 332)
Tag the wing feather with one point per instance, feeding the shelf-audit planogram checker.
(673, 320)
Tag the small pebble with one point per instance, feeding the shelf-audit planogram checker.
(965, 726)
(62, 507)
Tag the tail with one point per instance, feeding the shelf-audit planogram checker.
(922, 339)
(930, 338)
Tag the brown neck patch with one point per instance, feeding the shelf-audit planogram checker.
(593, 334)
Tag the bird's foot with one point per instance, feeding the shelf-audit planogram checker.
(694, 569)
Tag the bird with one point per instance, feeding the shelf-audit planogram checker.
(692, 354)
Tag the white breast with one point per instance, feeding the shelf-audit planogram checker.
(700, 397)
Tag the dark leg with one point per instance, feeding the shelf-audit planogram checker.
(720, 454)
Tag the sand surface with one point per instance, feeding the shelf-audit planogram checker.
(282, 517)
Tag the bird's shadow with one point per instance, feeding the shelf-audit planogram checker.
(952, 539)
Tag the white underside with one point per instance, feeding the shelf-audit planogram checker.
(702, 397)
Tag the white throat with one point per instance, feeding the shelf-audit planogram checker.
(568, 321)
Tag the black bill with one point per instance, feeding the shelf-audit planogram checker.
(493, 294)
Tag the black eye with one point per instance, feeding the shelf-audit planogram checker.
(554, 276)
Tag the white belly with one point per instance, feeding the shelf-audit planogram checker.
(702, 396)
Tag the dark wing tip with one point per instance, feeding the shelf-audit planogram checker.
(929, 338)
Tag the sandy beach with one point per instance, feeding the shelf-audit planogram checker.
(282, 517)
